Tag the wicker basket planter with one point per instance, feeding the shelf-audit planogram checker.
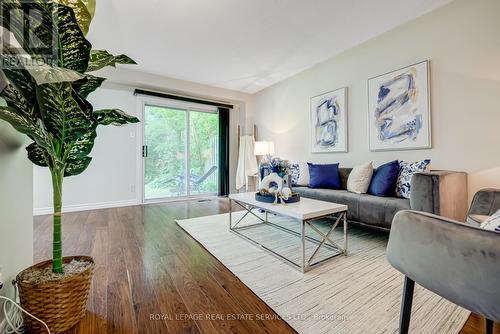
(60, 304)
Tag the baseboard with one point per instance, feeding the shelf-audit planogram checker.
(86, 207)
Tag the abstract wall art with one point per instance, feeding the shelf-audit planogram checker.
(329, 122)
(399, 109)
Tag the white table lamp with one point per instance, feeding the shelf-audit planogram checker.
(265, 149)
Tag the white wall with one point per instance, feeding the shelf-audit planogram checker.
(16, 207)
(462, 42)
(111, 179)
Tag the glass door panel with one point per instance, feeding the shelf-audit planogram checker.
(203, 152)
(165, 165)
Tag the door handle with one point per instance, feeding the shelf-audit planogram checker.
(145, 151)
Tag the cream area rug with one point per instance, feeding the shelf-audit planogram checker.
(354, 294)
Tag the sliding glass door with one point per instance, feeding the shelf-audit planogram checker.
(180, 152)
(203, 152)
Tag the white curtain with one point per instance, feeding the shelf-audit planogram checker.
(247, 162)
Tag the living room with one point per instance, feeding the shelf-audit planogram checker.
(268, 166)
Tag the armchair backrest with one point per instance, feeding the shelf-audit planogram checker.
(458, 262)
(485, 202)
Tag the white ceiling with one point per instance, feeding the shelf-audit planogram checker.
(243, 45)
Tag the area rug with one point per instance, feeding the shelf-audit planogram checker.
(358, 293)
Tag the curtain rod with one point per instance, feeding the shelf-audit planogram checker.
(182, 98)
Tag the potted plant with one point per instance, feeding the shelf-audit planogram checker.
(47, 101)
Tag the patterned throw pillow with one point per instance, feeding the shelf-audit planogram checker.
(406, 171)
(295, 173)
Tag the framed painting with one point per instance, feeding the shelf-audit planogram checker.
(399, 115)
(329, 122)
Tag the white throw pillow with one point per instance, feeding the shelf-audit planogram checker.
(360, 178)
(303, 179)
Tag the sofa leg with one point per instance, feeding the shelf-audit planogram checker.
(404, 320)
(489, 326)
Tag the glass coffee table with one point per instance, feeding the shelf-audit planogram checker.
(304, 213)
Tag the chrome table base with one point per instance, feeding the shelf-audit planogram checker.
(306, 263)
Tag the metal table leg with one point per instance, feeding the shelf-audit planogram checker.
(230, 215)
(345, 233)
(303, 240)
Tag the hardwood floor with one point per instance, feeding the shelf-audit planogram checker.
(151, 277)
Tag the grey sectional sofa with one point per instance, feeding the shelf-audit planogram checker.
(439, 192)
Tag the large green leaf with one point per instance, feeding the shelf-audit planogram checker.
(88, 85)
(90, 4)
(44, 74)
(19, 77)
(24, 125)
(20, 80)
(82, 147)
(76, 167)
(77, 159)
(15, 118)
(114, 117)
(62, 115)
(37, 155)
(100, 59)
(15, 100)
(86, 107)
(81, 11)
(74, 48)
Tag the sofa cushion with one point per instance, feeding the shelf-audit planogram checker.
(384, 180)
(335, 196)
(406, 171)
(360, 178)
(294, 173)
(303, 175)
(379, 211)
(324, 176)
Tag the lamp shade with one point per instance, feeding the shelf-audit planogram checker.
(264, 148)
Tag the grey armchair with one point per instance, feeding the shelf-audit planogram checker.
(485, 203)
(459, 262)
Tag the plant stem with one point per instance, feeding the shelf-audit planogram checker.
(57, 182)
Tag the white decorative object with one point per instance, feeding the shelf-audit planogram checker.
(399, 115)
(329, 122)
(273, 177)
(286, 193)
(360, 178)
(303, 179)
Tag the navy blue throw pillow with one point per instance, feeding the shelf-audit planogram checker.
(324, 176)
(384, 180)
